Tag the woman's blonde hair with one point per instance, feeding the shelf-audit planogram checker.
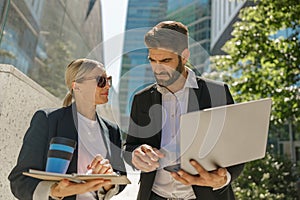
(76, 70)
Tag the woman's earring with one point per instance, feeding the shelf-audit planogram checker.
(74, 87)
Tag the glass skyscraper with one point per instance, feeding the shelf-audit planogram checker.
(141, 16)
(136, 72)
(40, 35)
(196, 15)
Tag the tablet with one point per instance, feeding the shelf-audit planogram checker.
(77, 178)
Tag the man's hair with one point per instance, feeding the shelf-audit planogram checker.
(170, 35)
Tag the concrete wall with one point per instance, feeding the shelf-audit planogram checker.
(20, 97)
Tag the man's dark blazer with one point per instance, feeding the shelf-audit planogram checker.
(44, 125)
(145, 128)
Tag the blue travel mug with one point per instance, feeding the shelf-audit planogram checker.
(60, 154)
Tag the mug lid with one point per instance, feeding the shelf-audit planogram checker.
(63, 140)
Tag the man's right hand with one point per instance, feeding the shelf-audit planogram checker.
(145, 158)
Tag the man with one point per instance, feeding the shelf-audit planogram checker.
(154, 126)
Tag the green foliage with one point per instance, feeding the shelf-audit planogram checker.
(269, 178)
(260, 64)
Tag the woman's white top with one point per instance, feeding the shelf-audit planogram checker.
(90, 143)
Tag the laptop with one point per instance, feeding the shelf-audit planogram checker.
(224, 136)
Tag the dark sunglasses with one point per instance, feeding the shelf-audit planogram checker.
(101, 80)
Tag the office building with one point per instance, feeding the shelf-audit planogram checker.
(136, 72)
(141, 16)
(40, 36)
(224, 15)
(196, 15)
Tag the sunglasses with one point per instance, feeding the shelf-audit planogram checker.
(101, 80)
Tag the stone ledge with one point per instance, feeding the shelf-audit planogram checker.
(10, 69)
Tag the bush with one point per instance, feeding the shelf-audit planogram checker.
(273, 177)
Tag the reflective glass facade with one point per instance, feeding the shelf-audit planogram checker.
(136, 72)
(41, 37)
(141, 16)
(196, 15)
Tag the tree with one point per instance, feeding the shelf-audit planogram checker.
(269, 178)
(263, 60)
(260, 64)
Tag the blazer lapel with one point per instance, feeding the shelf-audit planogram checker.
(156, 99)
(194, 98)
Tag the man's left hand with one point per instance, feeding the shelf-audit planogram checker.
(214, 179)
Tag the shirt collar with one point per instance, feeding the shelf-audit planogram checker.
(191, 82)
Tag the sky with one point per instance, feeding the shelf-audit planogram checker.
(114, 19)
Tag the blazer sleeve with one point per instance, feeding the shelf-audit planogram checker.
(33, 155)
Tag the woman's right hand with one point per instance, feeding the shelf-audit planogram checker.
(67, 188)
(100, 165)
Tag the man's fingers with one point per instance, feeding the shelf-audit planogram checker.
(179, 178)
(142, 165)
(137, 162)
(159, 153)
(222, 172)
(144, 157)
(148, 150)
(213, 179)
(147, 154)
(201, 171)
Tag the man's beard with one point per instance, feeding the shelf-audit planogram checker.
(172, 77)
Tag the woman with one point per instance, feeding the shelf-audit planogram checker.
(98, 141)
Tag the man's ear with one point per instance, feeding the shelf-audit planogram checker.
(185, 55)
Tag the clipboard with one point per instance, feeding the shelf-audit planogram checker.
(77, 178)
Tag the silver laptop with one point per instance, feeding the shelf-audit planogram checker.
(225, 136)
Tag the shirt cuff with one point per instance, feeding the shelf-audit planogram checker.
(42, 190)
(227, 182)
(108, 194)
